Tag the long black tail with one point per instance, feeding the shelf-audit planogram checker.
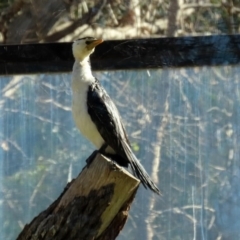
(139, 170)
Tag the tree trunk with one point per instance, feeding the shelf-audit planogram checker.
(95, 205)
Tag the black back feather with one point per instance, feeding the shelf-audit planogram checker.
(105, 115)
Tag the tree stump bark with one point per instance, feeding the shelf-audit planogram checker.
(95, 205)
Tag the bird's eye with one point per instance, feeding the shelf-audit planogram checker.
(90, 40)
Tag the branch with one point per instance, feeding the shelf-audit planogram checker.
(87, 18)
(8, 14)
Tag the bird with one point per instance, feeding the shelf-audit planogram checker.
(96, 115)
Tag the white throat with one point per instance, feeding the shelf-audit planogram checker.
(82, 75)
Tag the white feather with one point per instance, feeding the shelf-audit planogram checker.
(82, 78)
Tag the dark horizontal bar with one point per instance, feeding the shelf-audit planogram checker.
(124, 54)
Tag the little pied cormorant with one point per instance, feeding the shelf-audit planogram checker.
(97, 117)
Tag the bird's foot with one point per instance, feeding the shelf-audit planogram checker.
(117, 160)
(91, 158)
(113, 165)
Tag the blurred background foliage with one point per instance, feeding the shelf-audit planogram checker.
(25, 21)
(183, 123)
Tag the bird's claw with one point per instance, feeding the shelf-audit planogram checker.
(113, 165)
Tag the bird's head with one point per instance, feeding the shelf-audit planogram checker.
(83, 47)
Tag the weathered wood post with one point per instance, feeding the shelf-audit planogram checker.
(95, 205)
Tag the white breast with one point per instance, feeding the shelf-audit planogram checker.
(83, 121)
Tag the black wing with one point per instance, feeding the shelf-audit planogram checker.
(105, 115)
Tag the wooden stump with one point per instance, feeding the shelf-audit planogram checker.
(95, 205)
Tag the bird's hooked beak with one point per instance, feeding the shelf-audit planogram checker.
(93, 43)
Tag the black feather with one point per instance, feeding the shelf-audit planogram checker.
(105, 115)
